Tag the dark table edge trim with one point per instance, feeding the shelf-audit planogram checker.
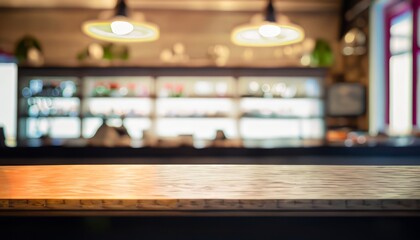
(218, 213)
(210, 204)
(381, 155)
(340, 161)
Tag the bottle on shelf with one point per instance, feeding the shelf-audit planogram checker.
(279, 89)
(178, 90)
(221, 89)
(254, 89)
(142, 91)
(101, 90)
(131, 90)
(68, 88)
(35, 88)
(172, 90)
(49, 88)
(114, 89)
(266, 89)
(56, 90)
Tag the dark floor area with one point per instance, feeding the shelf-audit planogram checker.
(210, 228)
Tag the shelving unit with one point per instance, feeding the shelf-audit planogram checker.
(259, 107)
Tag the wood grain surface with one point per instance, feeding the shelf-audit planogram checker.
(209, 182)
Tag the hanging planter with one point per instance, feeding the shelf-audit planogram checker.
(28, 51)
(106, 52)
(322, 55)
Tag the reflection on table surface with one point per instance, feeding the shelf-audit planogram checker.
(209, 182)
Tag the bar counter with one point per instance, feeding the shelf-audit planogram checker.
(226, 190)
(323, 155)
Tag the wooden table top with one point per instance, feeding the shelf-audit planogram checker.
(209, 187)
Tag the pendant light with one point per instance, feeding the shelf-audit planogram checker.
(270, 31)
(121, 28)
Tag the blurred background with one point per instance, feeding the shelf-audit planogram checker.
(204, 73)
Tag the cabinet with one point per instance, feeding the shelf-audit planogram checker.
(254, 106)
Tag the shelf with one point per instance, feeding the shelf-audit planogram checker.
(83, 116)
(53, 116)
(198, 97)
(52, 97)
(162, 114)
(119, 98)
(279, 98)
(194, 117)
(281, 117)
(114, 116)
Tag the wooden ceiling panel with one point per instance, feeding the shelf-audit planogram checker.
(198, 5)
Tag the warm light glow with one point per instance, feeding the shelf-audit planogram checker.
(121, 30)
(121, 27)
(305, 60)
(269, 30)
(267, 35)
(349, 37)
(95, 51)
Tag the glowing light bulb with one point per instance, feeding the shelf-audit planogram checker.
(269, 30)
(251, 35)
(121, 27)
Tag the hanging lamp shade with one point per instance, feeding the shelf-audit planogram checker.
(267, 31)
(121, 28)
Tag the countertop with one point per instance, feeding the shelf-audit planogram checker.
(209, 189)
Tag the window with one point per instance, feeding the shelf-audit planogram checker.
(400, 75)
(8, 92)
(401, 66)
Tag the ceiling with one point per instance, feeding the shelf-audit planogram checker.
(198, 24)
(206, 5)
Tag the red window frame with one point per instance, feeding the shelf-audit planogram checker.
(416, 55)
